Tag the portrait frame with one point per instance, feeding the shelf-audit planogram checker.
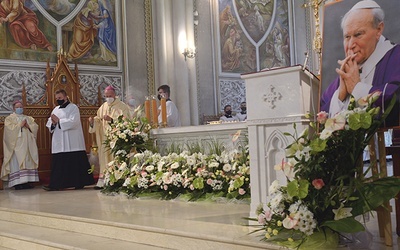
(332, 39)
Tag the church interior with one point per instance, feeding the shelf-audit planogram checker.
(272, 54)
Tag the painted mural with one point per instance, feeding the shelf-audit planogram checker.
(35, 29)
(253, 35)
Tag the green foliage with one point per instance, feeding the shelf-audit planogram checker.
(325, 188)
(215, 147)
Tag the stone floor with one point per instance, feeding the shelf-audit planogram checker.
(209, 219)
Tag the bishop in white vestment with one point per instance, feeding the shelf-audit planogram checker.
(108, 111)
(21, 157)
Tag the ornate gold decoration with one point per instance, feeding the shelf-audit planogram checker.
(149, 46)
(315, 5)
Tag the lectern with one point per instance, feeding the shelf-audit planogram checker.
(276, 99)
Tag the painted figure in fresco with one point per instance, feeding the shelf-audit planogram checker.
(231, 53)
(85, 31)
(226, 21)
(278, 44)
(60, 7)
(23, 25)
(260, 19)
(107, 35)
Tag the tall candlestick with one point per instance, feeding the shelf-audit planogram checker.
(147, 109)
(154, 112)
(164, 112)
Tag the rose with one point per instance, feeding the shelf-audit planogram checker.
(322, 116)
(318, 183)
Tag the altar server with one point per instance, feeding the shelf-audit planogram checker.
(70, 165)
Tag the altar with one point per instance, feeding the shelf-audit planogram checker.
(276, 100)
(222, 133)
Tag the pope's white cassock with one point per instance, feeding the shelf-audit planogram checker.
(70, 164)
(100, 126)
(21, 157)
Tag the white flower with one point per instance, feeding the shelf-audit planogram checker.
(149, 168)
(336, 123)
(342, 212)
(275, 201)
(287, 168)
(191, 160)
(290, 221)
(166, 177)
(213, 164)
(227, 167)
(325, 134)
(175, 165)
(234, 166)
(127, 182)
(112, 143)
(122, 167)
(294, 207)
(160, 165)
(118, 174)
(274, 187)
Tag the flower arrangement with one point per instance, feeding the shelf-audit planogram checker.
(188, 173)
(126, 136)
(326, 185)
(191, 176)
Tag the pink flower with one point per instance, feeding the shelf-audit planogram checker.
(242, 191)
(268, 214)
(143, 174)
(209, 181)
(286, 167)
(335, 123)
(261, 219)
(370, 98)
(322, 116)
(318, 183)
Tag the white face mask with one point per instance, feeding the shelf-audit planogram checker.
(19, 111)
(132, 102)
(109, 100)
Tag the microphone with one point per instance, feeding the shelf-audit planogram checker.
(305, 60)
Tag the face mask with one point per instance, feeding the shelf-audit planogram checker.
(19, 111)
(229, 112)
(60, 102)
(109, 100)
(243, 108)
(131, 102)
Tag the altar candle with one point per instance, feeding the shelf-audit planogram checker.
(164, 111)
(154, 111)
(147, 108)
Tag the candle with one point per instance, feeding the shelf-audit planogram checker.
(154, 112)
(147, 109)
(164, 112)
